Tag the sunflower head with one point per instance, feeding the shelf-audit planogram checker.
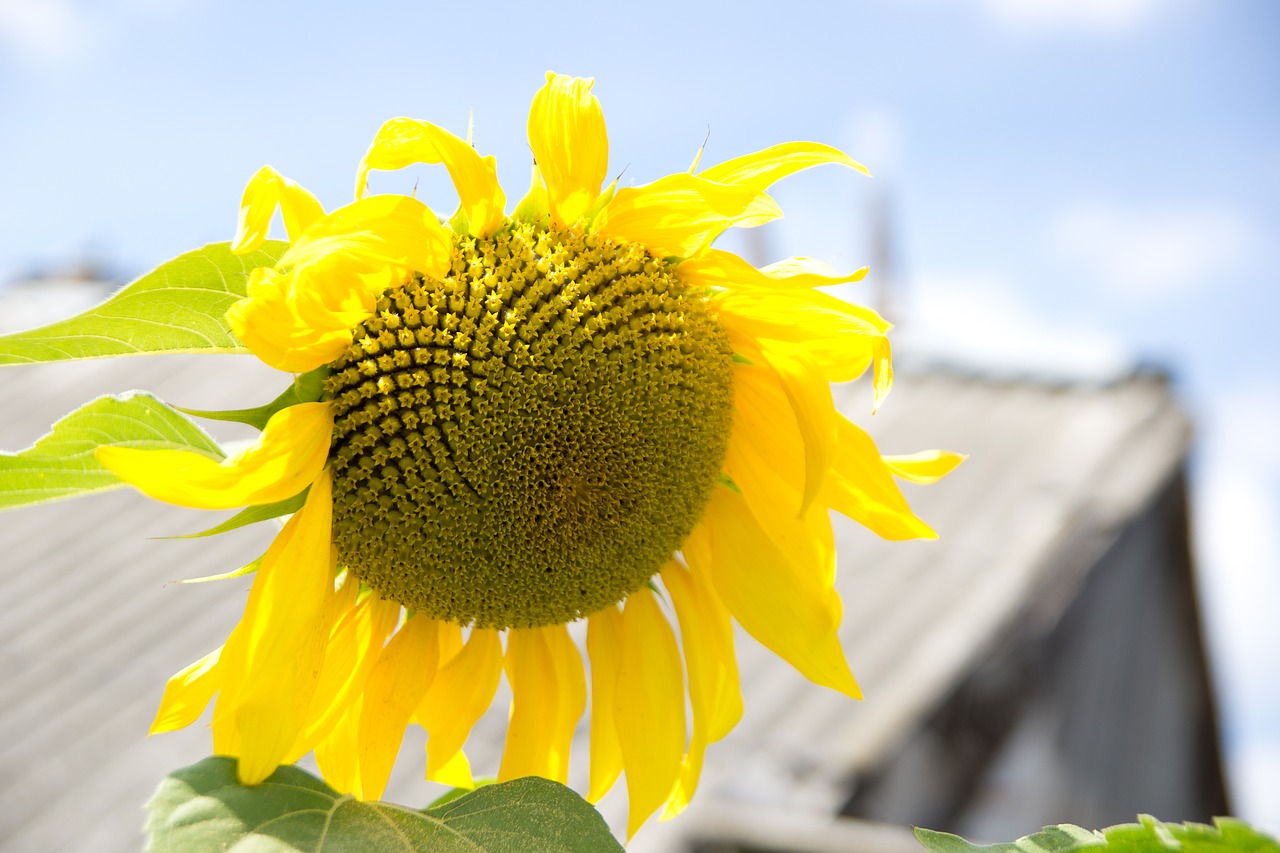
(527, 439)
(581, 410)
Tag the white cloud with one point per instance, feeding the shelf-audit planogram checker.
(1142, 252)
(982, 321)
(46, 33)
(1101, 17)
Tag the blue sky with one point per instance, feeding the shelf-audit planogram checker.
(1073, 184)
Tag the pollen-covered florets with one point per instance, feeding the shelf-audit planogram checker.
(529, 438)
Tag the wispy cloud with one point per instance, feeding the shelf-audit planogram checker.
(981, 320)
(1147, 251)
(45, 33)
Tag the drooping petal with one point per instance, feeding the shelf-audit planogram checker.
(791, 611)
(338, 754)
(462, 691)
(404, 141)
(355, 642)
(266, 190)
(570, 145)
(720, 269)
(549, 693)
(815, 413)
(187, 694)
(714, 693)
(927, 466)
(681, 214)
(604, 648)
(762, 169)
(397, 684)
(268, 323)
(860, 485)
(273, 658)
(649, 707)
(285, 459)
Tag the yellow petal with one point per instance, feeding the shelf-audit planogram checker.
(461, 692)
(762, 169)
(548, 695)
(267, 189)
(927, 466)
(681, 214)
(604, 648)
(860, 485)
(285, 459)
(789, 610)
(404, 141)
(273, 658)
(267, 322)
(715, 696)
(338, 755)
(397, 684)
(187, 694)
(649, 707)
(355, 642)
(815, 413)
(570, 145)
(725, 270)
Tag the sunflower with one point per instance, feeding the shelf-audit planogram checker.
(578, 411)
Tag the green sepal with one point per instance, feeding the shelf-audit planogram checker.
(203, 807)
(250, 515)
(728, 483)
(177, 307)
(306, 388)
(1147, 836)
(246, 569)
(742, 359)
(62, 463)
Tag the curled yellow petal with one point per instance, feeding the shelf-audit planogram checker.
(787, 608)
(815, 413)
(397, 684)
(461, 692)
(604, 648)
(549, 693)
(927, 466)
(273, 658)
(266, 190)
(762, 169)
(570, 145)
(860, 485)
(721, 269)
(649, 707)
(187, 694)
(681, 214)
(299, 315)
(404, 141)
(285, 459)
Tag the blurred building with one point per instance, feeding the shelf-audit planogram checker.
(1040, 663)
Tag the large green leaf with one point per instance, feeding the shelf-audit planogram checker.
(202, 807)
(62, 464)
(1147, 836)
(177, 307)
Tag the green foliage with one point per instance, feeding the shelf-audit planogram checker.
(203, 808)
(306, 388)
(1147, 836)
(177, 307)
(62, 463)
(252, 515)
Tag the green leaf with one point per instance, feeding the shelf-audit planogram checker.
(62, 464)
(306, 388)
(177, 307)
(1147, 836)
(202, 807)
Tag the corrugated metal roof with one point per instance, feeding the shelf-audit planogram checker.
(92, 627)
